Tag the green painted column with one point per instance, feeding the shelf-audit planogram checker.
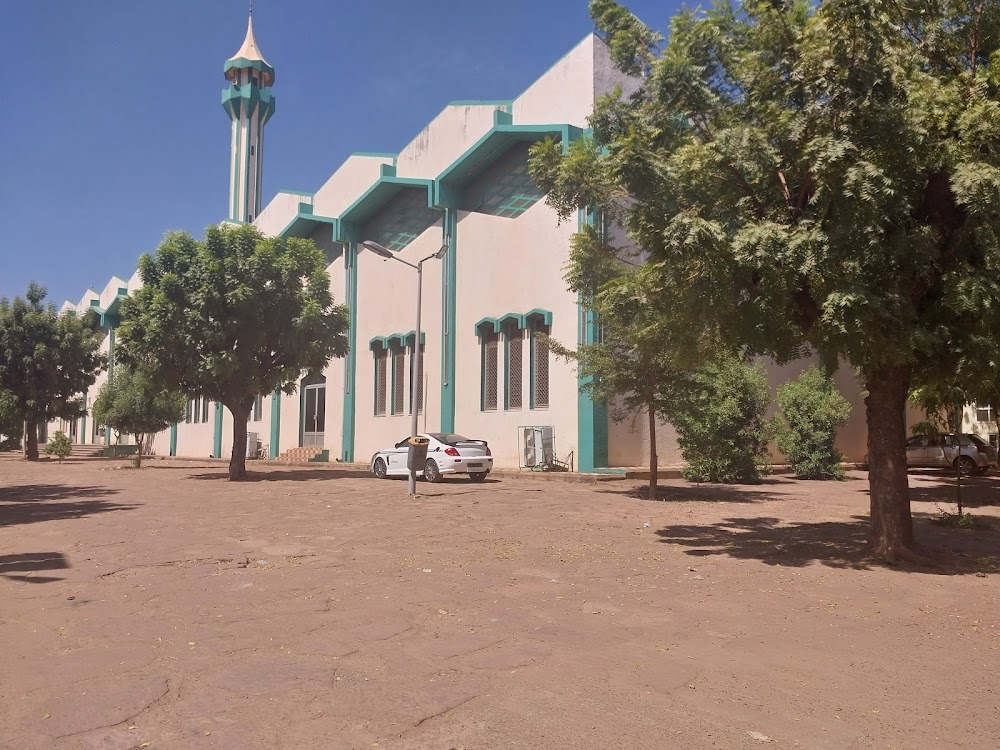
(111, 372)
(272, 448)
(173, 439)
(350, 363)
(449, 274)
(217, 432)
(83, 421)
(592, 416)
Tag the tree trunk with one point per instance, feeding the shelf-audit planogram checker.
(238, 461)
(31, 440)
(653, 463)
(138, 452)
(891, 536)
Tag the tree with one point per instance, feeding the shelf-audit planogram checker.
(59, 446)
(47, 360)
(231, 318)
(638, 365)
(133, 403)
(811, 411)
(720, 421)
(818, 176)
(11, 423)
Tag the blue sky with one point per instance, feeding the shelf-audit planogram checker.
(114, 134)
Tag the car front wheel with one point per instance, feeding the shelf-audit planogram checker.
(379, 469)
(965, 466)
(431, 471)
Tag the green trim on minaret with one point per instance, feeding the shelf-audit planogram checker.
(249, 104)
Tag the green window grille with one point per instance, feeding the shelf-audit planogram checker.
(419, 380)
(381, 365)
(490, 340)
(398, 380)
(258, 407)
(539, 367)
(204, 409)
(514, 376)
(517, 205)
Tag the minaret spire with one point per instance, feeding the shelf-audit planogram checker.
(249, 103)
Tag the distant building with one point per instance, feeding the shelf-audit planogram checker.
(461, 182)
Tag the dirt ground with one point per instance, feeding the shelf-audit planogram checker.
(317, 608)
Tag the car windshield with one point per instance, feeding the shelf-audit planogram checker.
(449, 438)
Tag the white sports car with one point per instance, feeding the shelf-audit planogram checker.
(446, 454)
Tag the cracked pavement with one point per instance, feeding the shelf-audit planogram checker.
(167, 608)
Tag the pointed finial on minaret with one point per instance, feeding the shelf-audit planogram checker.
(251, 7)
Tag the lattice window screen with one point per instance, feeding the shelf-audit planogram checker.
(541, 357)
(490, 345)
(398, 380)
(381, 356)
(515, 377)
(420, 380)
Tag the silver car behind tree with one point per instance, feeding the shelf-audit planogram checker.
(968, 454)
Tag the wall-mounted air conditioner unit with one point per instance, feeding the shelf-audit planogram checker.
(253, 444)
(538, 447)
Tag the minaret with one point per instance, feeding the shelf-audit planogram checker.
(250, 105)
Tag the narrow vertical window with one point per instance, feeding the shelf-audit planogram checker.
(381, 356)
(204, 409)
(187, 412)
(490, 340)
(513, 378)
(419, 361)
(398, 379)
(258, 403)
(539, 367)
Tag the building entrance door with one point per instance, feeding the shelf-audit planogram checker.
(314, 414)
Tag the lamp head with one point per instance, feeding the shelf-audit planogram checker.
(377, 249)
(442, 252)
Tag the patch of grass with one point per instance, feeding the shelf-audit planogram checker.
(962, 521)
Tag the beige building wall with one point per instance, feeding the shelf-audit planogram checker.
(514, 266)
(387, 305)
(446, 137)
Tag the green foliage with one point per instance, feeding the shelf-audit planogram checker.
(720, 422)
(807, 175)
(640, 364)
(59, 446)
(11, 424)
(926, 427)
(942, 402)
(811, 411)
(231, 318)
(132, 403)
(962, 521)
(47, 360)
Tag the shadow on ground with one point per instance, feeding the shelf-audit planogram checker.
(703, 493)
(32, 503)
(977, 492)
(29, 562)
(837, 544)
(282, 475)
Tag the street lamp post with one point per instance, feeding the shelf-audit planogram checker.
(415, 373)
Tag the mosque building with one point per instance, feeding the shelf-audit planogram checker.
(459, 195)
